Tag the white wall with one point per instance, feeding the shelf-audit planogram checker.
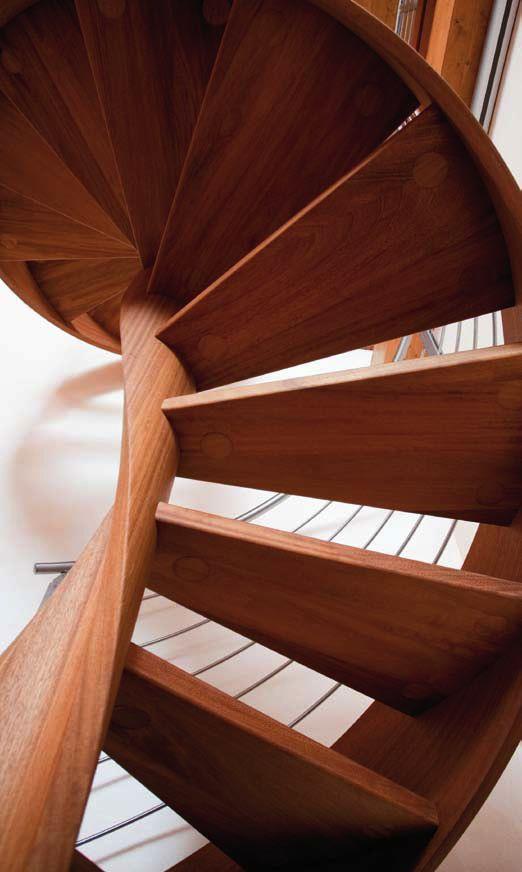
(506, 124)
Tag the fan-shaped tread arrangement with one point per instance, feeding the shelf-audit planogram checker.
(275, 131)
(29, 167)
(247, 182)
(173, 48)
(406, 241)
(45, 72)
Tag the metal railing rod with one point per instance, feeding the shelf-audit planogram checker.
(120, 825)
(262, 508)
(59, 568)
(176, 633)
(445, 542)
(315, 705)
(261, 681)
(223, 659)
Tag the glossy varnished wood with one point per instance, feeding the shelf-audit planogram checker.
(151, 62)
(451, 754)
(18, 277)
(341, 436)
(408, 241)
(207, 859)
(400, 631)
(44, 70)
(108, 315)
(430, 87)
(90, 329)
(74, 649)
(29, 231)
(75, 287)
(31, 168)
(385, 10)
(294, 102)
(80, 863)
(265, 794)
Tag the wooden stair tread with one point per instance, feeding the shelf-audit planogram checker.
(74, 287)
(30, 231)
(31, 168)
(407, 241)
(17, 275)
(80, 863)
(151, 62)
(207, 859)
(254, 162)
(446, 753)
(341, 436)
(45, 71)
(400, 631)
(263, 793)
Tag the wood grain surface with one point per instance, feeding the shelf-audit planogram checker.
(403, 632)
(74, 649)
(406, 242)
(31, 168)
(265, 794)
(44, 70)
(294, 102)
(75, 287)
(151, 62)
(438, 436)
(29, 231)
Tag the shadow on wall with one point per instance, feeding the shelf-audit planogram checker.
(62, 476)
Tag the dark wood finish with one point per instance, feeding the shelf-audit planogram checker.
(152, 62)
(29, 231)
(45, 71)
(263, 793)
(341, 436)
(498, 550)
(31, 168)
(10, 8)
(430, 87)
(207, 859)
(73, 651)
(75, 287)
(408, 241)
(80, 863)
(403, 632)
(294, 102)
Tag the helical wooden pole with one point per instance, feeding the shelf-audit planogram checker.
(60, 676)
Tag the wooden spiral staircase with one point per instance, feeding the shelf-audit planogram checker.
(228, 190)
